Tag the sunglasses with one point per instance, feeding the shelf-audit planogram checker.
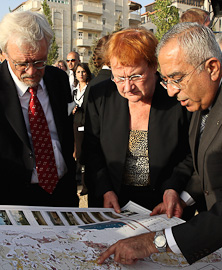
(72, 60)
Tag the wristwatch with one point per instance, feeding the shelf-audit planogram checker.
(160, 241)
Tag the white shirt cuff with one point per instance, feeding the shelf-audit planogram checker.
(171, 241)
(187, 198)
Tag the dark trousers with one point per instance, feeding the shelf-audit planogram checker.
(64, 195)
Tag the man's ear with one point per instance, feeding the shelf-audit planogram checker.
(213, 67)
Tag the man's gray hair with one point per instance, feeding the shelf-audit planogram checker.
(24, 27)
(197, 42)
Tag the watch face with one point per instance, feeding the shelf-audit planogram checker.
(160, 241)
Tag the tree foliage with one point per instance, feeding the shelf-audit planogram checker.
(53, 52)
(164, 17)
(92, 68)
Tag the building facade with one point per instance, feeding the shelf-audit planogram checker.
(79, 23)
(182, 6)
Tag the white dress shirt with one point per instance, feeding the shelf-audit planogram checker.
(79, 96)
(42, 94)
(71, 81)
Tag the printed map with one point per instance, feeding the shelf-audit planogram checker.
(62, 247)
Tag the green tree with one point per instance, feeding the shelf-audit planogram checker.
(164, 17)
(118, 23)
(53, 52)
(92, 68)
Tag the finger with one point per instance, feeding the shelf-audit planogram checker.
(116, 207)
(106, 254)
(170, 210)
(156, 210)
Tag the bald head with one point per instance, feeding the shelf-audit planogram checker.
(72, 60)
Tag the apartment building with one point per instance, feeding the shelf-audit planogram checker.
(78, 23)
(182, 6)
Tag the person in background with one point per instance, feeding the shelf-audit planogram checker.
(99, 62)
(62, 65)
(72, 61)
(83, 77)
(34, 173)
(103, 74)
(198, 15)
(219, 39)
(191, 65)
(135, 135)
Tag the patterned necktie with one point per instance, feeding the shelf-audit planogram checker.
(204, 114)
(42, 144)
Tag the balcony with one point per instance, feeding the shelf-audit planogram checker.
(134, 17)
(94, 26)
(84, 42)
(89, 8)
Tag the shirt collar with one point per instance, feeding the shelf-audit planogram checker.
(71, 72)
(106, 67)
(20, 86)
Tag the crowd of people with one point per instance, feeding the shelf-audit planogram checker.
(137, 131)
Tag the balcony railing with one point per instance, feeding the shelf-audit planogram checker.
(89, 7)
(96, 26)
(84, 42)
(134, 17)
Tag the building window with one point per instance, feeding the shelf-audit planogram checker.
(80, 18)
(104, 21)
(80, 35)
(90, 35)
(104, 6)
(89, 53)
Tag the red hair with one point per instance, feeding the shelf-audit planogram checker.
(131, 45)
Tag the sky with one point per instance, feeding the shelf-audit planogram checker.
(5, 4)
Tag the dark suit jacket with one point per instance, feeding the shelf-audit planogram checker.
(16, 157)
(203, 234)
(107, 134)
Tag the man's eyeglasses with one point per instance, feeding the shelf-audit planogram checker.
(70, 60)
(176, 84)
(26, 66)
(133, 78)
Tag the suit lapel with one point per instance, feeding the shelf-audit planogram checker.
(212, 126)
(11, 105)
(194, 136)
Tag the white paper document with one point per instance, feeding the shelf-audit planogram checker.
(72, 238)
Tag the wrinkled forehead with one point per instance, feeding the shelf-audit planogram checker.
(171, 56)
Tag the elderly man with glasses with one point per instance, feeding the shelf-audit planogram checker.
(36, 162)
(190, 61)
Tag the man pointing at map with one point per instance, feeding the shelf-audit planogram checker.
(190, 61)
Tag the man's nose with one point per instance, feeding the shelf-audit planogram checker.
(172, 91)
(31, 69)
